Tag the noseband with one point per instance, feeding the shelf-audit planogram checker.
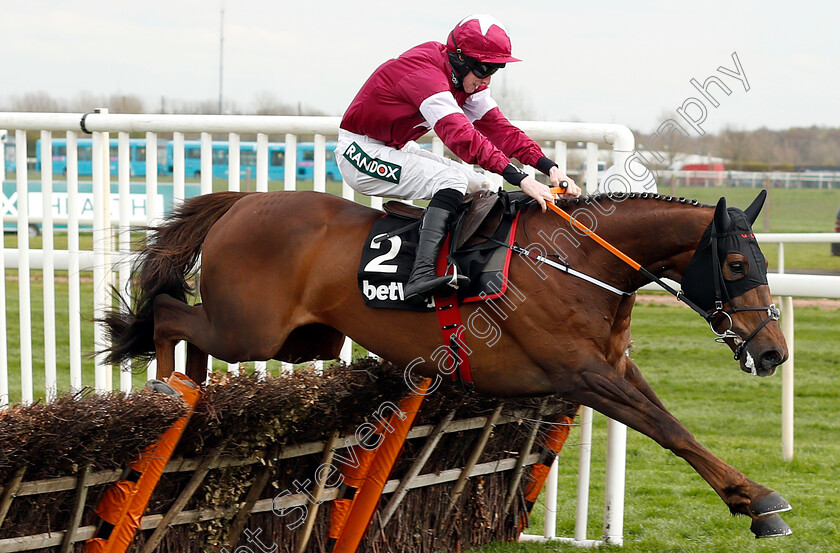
(772, 315)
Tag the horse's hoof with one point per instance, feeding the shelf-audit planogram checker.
(770, 527)
(161, 387)
(770, 504)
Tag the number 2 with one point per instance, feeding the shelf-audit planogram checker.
(377, 264)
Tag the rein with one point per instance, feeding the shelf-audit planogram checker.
(710, 318)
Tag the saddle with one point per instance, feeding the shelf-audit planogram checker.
(479, 216)
(485, 221)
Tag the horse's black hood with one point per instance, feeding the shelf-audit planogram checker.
(729, 232)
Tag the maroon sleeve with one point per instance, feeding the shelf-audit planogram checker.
(460, 136)
(509, 138)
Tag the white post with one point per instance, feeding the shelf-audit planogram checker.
(591, 175)
(319, 173)
(124, 232)
(206, 163)
(3, 135)
(787, 367)
(289, 183)
(47, 246)
(560, 155)
(74, 301)
(23, 270)
(584, 461)
(207, 187)
(233, 162)
(178, 194)
(550, 515)
(261, 367)
(346, 354)
(290, 163)
(178, 184)
(614, 486)
(262, 162)
(437, 146)
(101, 166)
(151, 207)
(319, 184)
(233, 185)
(787, 380)
(4, 353)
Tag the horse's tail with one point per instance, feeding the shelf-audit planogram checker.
(162, 267)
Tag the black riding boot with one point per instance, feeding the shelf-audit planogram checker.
(423, 282)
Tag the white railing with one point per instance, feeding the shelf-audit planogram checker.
(801, 286)
(752, 179)
(107, 254)
(788, 286)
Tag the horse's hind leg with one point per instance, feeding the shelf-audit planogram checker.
(176, 321)
(196, 364)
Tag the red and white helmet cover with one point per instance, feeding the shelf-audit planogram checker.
(482, 37)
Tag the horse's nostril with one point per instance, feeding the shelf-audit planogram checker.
(771, 359)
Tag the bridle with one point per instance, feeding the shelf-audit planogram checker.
(721, 296)
(721, 292)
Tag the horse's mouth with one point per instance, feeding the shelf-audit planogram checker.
(748, 365)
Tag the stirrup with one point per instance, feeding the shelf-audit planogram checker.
(453, 282)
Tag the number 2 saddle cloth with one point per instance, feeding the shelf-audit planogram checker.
(477, 247)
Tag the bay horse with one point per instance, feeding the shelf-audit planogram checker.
(278, 281)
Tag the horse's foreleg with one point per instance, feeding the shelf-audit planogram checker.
(630, 400)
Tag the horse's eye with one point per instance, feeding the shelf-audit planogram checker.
(736, 267)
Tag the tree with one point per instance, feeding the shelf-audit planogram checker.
(267, 103)
(511, 101)
(35, 101)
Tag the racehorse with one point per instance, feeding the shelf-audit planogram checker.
(278, 281)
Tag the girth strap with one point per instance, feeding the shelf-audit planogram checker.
(448, 312)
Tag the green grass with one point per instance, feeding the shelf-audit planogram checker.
(786, 210)
(669, 508)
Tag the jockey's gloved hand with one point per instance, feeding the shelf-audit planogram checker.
(556, 176)
(537, 190)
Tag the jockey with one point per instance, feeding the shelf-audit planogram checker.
(445, 88)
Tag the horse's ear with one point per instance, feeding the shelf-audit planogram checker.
(755, 207)
(721, 215)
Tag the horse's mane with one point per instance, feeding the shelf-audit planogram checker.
(621, 197)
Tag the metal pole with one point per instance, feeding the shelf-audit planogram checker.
(151, 207)
(319, 172)
(124, 234)
(101, 166)
(261, 367)
(787, 367)
(74, 310)
(233, 162)
(178, 194)
(584, 468)
(4, 355)
(50, 377)
(206, 163)
(289, 183)
(614, 487)
(550, 515)
(591, 175)
(787, 380)
(23, 269)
